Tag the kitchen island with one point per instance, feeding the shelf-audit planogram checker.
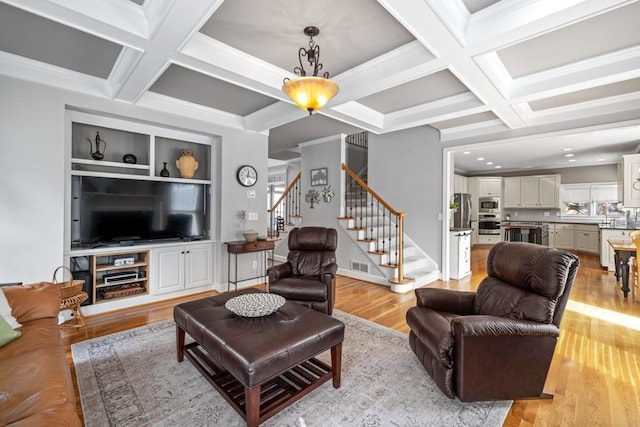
(522, 232)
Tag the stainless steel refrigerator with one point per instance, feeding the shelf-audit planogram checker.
(462, 216)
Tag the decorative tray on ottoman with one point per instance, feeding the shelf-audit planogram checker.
(254, 305)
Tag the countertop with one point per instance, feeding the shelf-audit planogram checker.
(600, 225)
(461, 229)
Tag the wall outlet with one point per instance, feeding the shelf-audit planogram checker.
(255, 265)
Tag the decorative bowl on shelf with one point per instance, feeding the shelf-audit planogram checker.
(250, 235)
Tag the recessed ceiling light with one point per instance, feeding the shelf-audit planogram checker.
(489, 163)
(567, 149)
(569, 155)
(466, 152)
(601, 160)
(572, 160)
(498, 167)
(480, 159)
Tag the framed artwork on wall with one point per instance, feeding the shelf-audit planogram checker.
(318, 177)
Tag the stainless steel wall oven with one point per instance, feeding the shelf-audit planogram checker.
(488, 224)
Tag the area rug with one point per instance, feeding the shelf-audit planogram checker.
(132, 378)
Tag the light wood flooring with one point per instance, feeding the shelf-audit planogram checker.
(594, 375)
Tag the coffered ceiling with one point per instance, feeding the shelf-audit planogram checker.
(473, 69)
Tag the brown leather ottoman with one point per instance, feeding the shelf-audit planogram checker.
(259, 365)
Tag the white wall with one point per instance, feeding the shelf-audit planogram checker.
(32, 182)
(32, 140)
(405, 169)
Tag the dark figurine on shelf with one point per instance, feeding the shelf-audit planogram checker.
(164, 172)
(97, 155)
(129, 158)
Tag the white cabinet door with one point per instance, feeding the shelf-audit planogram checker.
(564, 236)
(489, 187)
(199, 261)
(549, 191)
(587, 238)
(183, 267)
(512, 192)
(169, 263)
(529, 192)
(629, 174)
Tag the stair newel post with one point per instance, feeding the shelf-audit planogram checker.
(400, 244)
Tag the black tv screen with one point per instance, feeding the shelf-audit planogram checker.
(113, 211)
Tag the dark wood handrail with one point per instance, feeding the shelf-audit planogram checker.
(399, 223)
(370, 191)
(286, 192)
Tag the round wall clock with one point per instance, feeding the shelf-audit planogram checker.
(247, 175)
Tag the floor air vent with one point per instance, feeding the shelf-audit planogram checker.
(360, 266)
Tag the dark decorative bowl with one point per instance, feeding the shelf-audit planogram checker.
(129, 158)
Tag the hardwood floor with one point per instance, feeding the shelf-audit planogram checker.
(594, 375)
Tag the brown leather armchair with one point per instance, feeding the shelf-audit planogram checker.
(309, 275)
(496, 343)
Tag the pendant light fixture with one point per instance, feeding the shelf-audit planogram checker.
(310, 93)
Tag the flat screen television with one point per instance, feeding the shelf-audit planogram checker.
(114, 211)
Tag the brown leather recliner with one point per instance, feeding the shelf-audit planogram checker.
(496, 343)
(309, 275)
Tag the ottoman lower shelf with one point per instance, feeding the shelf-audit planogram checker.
(275, 394)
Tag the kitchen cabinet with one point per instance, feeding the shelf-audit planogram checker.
(460, 184)
(182, 267)
(460, 255)
(628, 176)
(562, 236)
(587, 238)
(490, 187)
(488, 239)
(606, 253)
(532, 192)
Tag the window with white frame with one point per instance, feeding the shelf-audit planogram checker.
(590, 200)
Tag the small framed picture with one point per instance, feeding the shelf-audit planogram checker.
(319, 177)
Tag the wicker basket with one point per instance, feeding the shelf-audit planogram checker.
(69, 288)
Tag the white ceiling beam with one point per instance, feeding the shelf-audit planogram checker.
(176, 29)
(123, 23)
(159, 102)
(606, 69)
(512, 21)
(432, 112)
(23, 68)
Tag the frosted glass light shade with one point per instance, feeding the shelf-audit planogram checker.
(310, 93)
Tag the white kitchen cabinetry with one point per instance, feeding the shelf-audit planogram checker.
(460, 184)
(490, 187)
(488, 239)
(563, 236)
(460, 255)
(587, 238)
(606, 253)
(532, 192)
(628, 176)
(182, 267)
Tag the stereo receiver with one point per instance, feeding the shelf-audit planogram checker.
(122, 276)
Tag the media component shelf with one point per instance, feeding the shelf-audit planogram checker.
(114, 279)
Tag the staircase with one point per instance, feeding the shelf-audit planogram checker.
(285, 213)
(373, 225)
(374, 231)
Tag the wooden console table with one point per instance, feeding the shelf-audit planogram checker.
(244, 247)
